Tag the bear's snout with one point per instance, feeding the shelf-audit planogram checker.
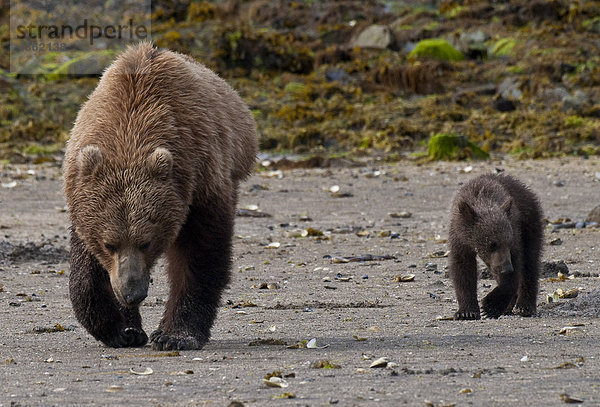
(507, 268)
(131, 281)
(135, 296)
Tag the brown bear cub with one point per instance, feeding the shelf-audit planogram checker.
(498, 218)
(152, 167)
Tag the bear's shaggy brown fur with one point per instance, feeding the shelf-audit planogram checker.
(499, 219)
(152, 167)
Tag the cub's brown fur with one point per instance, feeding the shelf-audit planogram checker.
(499, 219)
(152, 167)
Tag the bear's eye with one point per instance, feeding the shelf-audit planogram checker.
(144, 246)
(112, 249)
(493, 246)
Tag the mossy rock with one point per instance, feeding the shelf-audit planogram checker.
(446, 146)
(503, 47)
(436, 48)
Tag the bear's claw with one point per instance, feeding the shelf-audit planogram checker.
(468, 315)
(525, 311)
(128, 337)
(166, 341)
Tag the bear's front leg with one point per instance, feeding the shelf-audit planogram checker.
(463, 270)
(498, 301)
(198, 268)
(95, 304)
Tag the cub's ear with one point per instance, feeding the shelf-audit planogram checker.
(88, 160)
(467, 212)
(507, 205)
(160, 163)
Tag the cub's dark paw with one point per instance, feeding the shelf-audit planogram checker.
(466, 315)
(128, 337)
(525, 311)
(173, 341)
(490, 310)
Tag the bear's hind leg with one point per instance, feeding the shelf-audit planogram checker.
(528, 287)
(95, 305)
(198, 269)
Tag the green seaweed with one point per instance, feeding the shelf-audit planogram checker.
(447, 146)
(503, 47)
(436, 48)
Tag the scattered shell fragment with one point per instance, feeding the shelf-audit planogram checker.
(325, 364)
(358, 338)
(275, 381)
(9, 185)
(571, 293)
(565, 365)
(312, 344)
(273, 245)
(559, 293)
(334, 189)
(272, 174)
(381, 362)
(114, 389)
(571, 330)
(556, 242)
(146, 372)
(465, 391)
(525, 358)
(404, 278)
(401, 215)
(569, 400)
(439, 254)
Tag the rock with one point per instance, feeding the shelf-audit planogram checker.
(576, 101)
(375, 37)
(555, 94)
(437, 49)
(552, 268)
(472, 44)
(594, 215)
(337, 74)
(504, 105)
(509, 89)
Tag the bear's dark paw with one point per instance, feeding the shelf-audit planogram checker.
(466, 315)
(171, 341)
(525, 311)
(490, 310)
(128, 337)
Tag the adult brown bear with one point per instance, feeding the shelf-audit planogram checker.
(152, 167)
(499, 219)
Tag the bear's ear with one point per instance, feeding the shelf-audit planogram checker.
(467, 212)
(160, 163)
(507, 205)
(88, 160)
